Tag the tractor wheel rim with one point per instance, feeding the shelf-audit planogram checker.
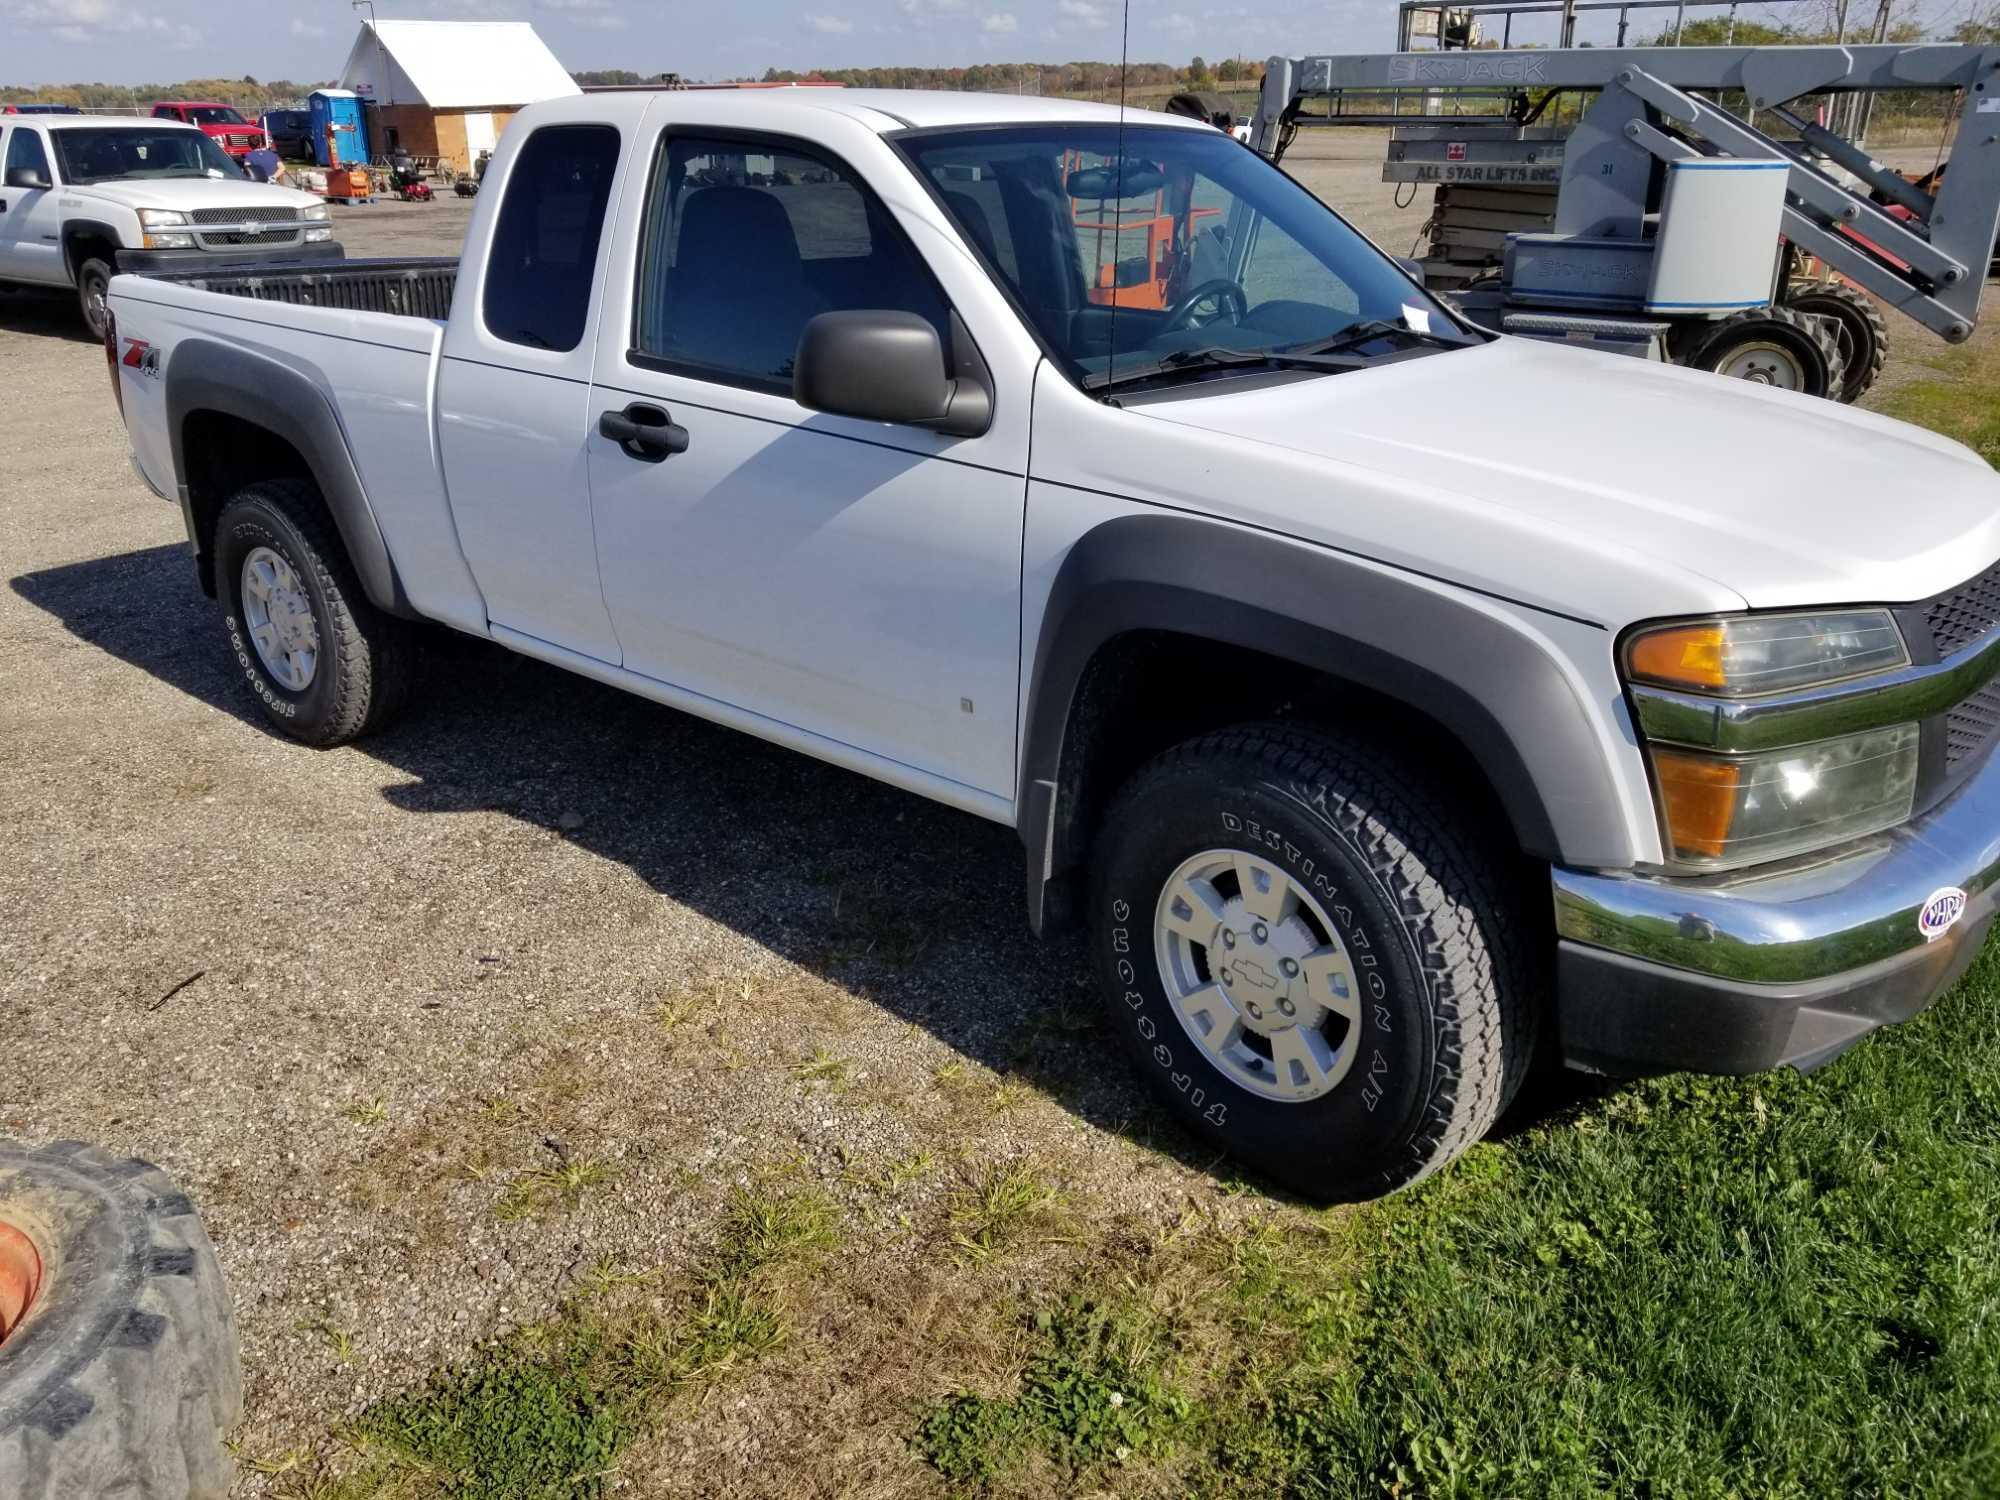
(277, 612)
(1765, 363)
(1257, 976)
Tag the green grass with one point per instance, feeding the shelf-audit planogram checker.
(546, 1413)
(1778, 1286)
(1962, 401)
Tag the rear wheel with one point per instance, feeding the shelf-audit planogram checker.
(1313, 958)
(93, 289)
(1860, 332)
(1772, 346)
(326, 665)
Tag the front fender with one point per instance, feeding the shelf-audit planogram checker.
(1491, 685)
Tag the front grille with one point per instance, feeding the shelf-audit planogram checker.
(284, 236)
(244, 216)
(1970, 725)
(1966, 613)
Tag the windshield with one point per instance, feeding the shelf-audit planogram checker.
(1185, 252)
(139, 153)
(214, 114)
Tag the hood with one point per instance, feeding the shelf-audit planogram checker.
(185, 193)
(1521, 457)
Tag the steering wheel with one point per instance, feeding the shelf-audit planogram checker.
(1181, 314)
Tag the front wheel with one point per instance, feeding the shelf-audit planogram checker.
(93, 291)
(1312, 962)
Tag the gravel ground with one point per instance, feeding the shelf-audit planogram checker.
(349, 997)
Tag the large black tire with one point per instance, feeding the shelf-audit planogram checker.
(1414, 885)
(93, 282)
(124, 1375)
(1800, 355)
(361, 674)
(1860, 330)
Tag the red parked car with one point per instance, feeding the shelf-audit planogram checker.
(220, 122)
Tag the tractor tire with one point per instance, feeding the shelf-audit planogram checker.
(1316, 959)
(1772, 346)
(123, 1375)
(1860, 330)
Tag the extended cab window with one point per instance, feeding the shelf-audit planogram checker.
(24, 149)
(544, 252)
(744, 243)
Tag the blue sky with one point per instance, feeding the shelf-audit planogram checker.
(135, 41)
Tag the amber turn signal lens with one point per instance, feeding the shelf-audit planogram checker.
(1686, 656)
(1698, 794)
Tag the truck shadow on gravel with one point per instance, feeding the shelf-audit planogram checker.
(47, 314)
(911, 906)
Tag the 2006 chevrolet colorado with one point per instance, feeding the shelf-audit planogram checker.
(1394, 699)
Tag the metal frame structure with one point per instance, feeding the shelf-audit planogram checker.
(1656, 105)
(1407, 29)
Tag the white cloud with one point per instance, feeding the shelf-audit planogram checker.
(1000, 23)
(594, 15)
(922, 11)
(829, 25)
(311, 30)
(88, 21)
(1087, 15)
(1176, 25)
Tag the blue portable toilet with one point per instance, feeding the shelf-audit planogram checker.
(340, 108)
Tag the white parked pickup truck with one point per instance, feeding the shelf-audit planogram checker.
(1394, 700)
(81, 197)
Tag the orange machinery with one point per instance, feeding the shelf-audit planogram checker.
(1114, 283)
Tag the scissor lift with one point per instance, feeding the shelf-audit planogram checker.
(1676, 228)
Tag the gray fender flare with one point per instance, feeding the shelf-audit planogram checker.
(1507, 703)
(204, 376)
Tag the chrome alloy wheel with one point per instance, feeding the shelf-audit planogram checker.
(1764, 363)
(1258, 975)
(277, 612)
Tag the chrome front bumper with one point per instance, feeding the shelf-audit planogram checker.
(1737, 973)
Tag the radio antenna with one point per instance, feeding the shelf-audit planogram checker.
(1118, 186)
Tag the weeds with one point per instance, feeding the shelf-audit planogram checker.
(542, 1188)
(821, 1067)
(1004, 1206)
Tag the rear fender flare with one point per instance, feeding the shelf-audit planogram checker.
(1494, 688)
(205, 376)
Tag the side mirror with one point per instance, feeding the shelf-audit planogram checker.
(1414, 268)
(884, 366)
(26, 178)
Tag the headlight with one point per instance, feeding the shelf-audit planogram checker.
(314, 236)
(1723, 811)
(1754, 654)
(315, 211)
(154, 218)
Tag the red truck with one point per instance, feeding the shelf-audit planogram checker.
(220, 122)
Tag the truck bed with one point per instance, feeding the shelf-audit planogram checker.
(414, 287)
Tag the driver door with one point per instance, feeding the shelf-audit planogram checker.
(855, 581)
(30, 218)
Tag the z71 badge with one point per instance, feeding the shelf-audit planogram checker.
(143, 357)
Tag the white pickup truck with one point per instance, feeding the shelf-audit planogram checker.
(1396, 701)
(81, 196)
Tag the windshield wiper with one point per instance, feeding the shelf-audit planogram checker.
(1219, 357)
(1370, 329)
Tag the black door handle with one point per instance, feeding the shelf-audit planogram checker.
(644, 432)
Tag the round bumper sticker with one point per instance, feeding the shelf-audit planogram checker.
(1937, 915)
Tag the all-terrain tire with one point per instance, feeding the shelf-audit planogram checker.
(1416, 886)
(93, 282)
(1809, 353)
(1861, 331)
(124, 1375)
(365, 657)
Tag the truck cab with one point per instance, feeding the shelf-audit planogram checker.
(222, 123)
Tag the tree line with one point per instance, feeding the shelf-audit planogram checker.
(245, 93)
